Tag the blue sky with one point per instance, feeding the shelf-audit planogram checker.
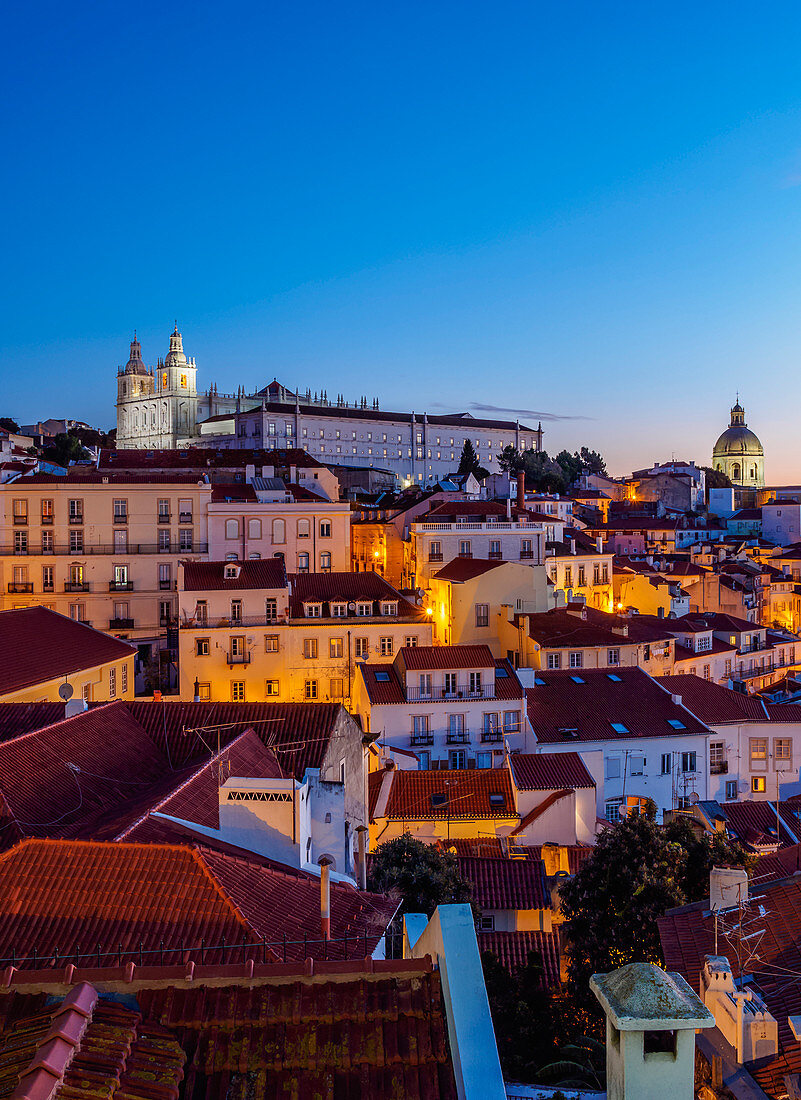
(592, 211)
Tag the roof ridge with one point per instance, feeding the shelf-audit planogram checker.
(100, 709)
(197, 853)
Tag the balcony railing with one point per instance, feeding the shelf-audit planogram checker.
(418, 739)
(465, 554)
(103, 549)
(494, 736)
(77, 519)
(47, 521)
(238, 658)
(421, 695)
(526, 554)
(458, 737)
(719, 768)
(184, 517)
(20, 586)
(120, 586)
(76, 586)
(121, 517)
(433, 556)
(495, 555)
(164, 517)
(120, 624)
(165, 586)
(20, 521)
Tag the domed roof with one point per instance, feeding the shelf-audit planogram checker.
(135, 364)
(175, 356)
(737, 439)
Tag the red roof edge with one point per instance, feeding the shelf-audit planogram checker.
(538, 811)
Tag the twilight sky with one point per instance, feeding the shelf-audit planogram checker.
(591, 211)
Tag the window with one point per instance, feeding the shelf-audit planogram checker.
(335, 648)
(313, 610)
(450, 683)
(511, 721)
(165, 612)
(76, 541)
(484, 760)
(304, 529)
(676, 724)
(237, 691)
(410, 640)
(124, 678)
(464, 549)
(271, 687)
(271, 609)
(325, 529)
(637, 766)
(201, 611)
(184, 511)
(120, 511)
(605, 574)
(731, 789)
(230, 572)
(336, 687)
(47, 578)
(279, 532)
(666, 765)
(362, 647)
(554, 660)
(618, 727)
(423, 761)
(568, 577)
(582, 579)
(310, 649)
(490, 726)
(112, 682)
(782, 752)
(236, 611)
(381, 677)
(758, 784)
(482, 614)
(254, 528)
(613, 656)
(612, 768)
(577, 659)
(435, 551)
(386, 647)
(47, 511)
(612, 809)
(364, 610)
(759, 753)
(475, 683)
(303, 563)
(310, 689)
(270, 643)
(48, 543)
(121, 540)
(338, 610)
(202, 647)
(76, 511)
(325, 562)
(20, 511)
(389, 608)
(78, 612)
(185, 538)
(164, 542)
(164, 510)
(688, 762)
(457, 758)
(717, 753)
(121, 610)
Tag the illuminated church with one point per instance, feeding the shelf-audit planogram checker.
(738, 453)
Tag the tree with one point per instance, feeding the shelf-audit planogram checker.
(637, 871)
(716, 479)
(9, 424)
(521, 1015)
(65, 449)
(592, 462)
(423, 876)
(571, 464)
(469, 462)
(510, 460)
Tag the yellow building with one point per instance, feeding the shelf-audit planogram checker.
(649, 592)
(42, 651)
(248, 631)
(472, 600)
(581, 567)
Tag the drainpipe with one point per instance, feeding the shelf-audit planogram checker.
(361, 838)
(325, 898)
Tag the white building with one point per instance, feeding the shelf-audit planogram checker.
(781, 521)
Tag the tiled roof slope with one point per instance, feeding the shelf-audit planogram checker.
(209, 576)
(588, 701)
(549, 771)
(469, 794)
(754, 823)
(196, 458)
(427, 657)
(383, 690)
(713, 704)
(776, 865)
(506, 883)
(18, 718)
(37, 644)
(492, 847)
(515, 950)
(590, 627)
(460, 570)
(62, 895)
(350, 587)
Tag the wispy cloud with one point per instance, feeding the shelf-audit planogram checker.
(531, 414)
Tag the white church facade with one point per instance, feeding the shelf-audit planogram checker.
(160, 408)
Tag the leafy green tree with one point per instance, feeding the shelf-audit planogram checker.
(65, 449)
(9, 424)
(522, 1017)
(716, 479)
(469, 462)
(591, 461)
(571, 464)
(510, 460)
(422, 875)
(637, 870)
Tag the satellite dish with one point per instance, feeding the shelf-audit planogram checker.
(65, 692)
(694, 799)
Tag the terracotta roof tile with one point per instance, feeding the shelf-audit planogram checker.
(515, 950)
(588, 627)
(506, 883)
(384, 685)
(209, 576)
(199, 458)
(428, 657)
(492, 847)
(460, 570)
(582, 704)
(417, 795)
(549, 771)
(38, 644)
(713, 704)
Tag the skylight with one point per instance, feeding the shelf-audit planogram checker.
(496, 799)
(577, 680)
(615, 679)
(676, 724)
(439, 799)
(539, 682)
(618, 727)
(501, 672)
(382, 677)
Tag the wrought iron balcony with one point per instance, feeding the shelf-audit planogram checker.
(238, 658)
(434, 557)
(76, 586)
(164, 517)
(493, 736)
(21, 521)
(418, 739)
(120, 624)
(121, 517)
(495, 555)
(458, 737)
(20, 586)
(719, 768)
(77, 519)
(120, 586)
(423, 695)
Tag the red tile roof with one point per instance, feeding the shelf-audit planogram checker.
(493, 847)
(209, 576)
(17, 718)
(64, 894)
(588, 627)
(199, 458)
(382, 690)
(776, 865)
(82, 477)
(469, 794)
(243, 491)
(588, 708)
(427, 657)
(515, 950)
(549, 771)
(713, 704)
(460, 570)
(38, 644)
(506, 883)
(754, 823)
(349, 587)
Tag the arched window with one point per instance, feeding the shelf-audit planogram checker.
(735, 471)
(254, 528)
(325, 562)
(278, 554)
(232, 528)
(303, 563)
(279, 532)
(232, 557)
(304, 529)
(254, 557)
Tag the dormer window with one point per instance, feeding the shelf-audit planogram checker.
(313, 610)
(389, 607)
(231, 572)
(364, 609)
(339, 610)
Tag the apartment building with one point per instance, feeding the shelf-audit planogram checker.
(250, 631)
(102, 548)
(451, 706)
(475, 529)
(730, 648)
(582, 568)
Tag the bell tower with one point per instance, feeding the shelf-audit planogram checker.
(176, 391)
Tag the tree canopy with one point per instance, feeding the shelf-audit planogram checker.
(469, 462)
(423, 876)
(65, 449)
(547, 475)
(716, 479)
(9, 424)
(637, 871)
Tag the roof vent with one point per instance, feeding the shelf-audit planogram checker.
(676, 699)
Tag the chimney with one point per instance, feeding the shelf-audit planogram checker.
(250, 473)
(361, 840)
(196, 698)
(599, 544)
(676, 699)
(573, 544)
(521, 489)
(75, 706)
(509, 505)
(325, 897)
